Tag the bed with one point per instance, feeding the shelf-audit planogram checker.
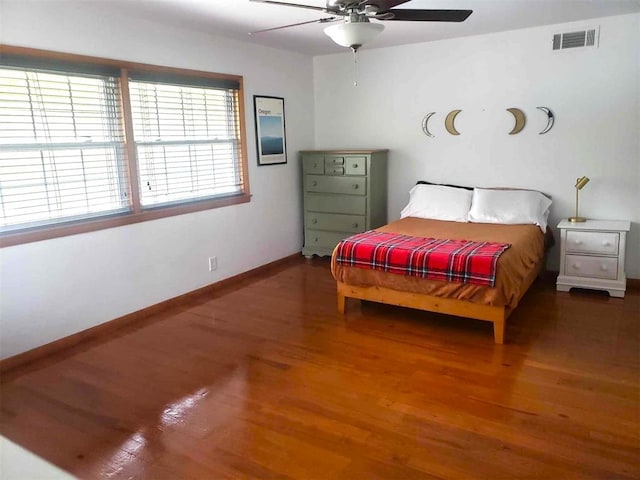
(516, 269)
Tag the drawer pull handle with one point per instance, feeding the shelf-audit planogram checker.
(316, 240)
(606, 244)
(578, 242)
(314, 221)
(355, 225)
(603, 268)
(314, 184)
(355, 186)
(355, 165)
(576, 266)
(315, 165)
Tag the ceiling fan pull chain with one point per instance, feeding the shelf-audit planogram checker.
(355, 67)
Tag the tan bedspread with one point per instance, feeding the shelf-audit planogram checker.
(517, 266)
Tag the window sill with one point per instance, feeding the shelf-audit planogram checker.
(85, 226)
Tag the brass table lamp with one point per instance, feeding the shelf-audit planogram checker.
(580, 182)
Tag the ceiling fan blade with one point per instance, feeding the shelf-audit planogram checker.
(429, 15)
(384, 5)
(320, 20)
(382, 16)
(286, 4)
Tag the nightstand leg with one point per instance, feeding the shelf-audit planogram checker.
(616, 293)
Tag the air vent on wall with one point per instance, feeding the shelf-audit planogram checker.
(583, 38)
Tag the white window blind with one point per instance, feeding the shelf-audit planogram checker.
(187, 141)
(61, 147)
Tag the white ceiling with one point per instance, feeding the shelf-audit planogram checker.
(236, 18)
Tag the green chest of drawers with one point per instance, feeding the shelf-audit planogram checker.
(345, 192)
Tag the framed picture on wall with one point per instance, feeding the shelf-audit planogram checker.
(271, 143)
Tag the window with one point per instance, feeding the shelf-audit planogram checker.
(186, 141)
(90, 143)
(61, 148)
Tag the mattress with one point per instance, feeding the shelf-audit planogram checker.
(516, 269)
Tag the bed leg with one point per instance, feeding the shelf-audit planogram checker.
(498, 331)
(341, 303)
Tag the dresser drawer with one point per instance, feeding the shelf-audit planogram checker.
(333, 161)
(351, 186)
(347, 204)
(598, 267)
(355, 165)
(334, 171)
(328, 221)
(321, 239)
(605, 243)
(313, 164)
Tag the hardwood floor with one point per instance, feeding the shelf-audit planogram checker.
(264, 380)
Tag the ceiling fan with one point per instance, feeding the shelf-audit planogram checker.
(356, 29)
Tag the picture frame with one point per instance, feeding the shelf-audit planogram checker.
(271, 144)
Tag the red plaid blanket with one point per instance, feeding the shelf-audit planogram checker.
(459, 261)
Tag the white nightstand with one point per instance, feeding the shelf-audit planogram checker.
(592, 255)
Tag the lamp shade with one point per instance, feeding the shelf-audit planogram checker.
(354, 34)
(581, 182)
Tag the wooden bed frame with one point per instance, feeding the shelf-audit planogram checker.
(450, 306)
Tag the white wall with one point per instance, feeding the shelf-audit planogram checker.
(54, 288)
(594, 93)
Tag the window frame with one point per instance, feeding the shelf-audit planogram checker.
(137, 214)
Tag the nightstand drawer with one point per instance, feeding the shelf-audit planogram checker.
(598, 267)
(328, 221)
(317, 238)
(350, 186)
(313, 164)
(604, 243)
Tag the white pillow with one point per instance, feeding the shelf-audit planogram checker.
(438, 202)
(510, 207)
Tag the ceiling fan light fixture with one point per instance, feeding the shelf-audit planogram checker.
(353, 34)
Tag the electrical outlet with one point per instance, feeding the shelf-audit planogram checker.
(213, 263)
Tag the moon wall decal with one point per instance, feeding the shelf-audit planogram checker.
(520, 120)
(425, 124)
(550, 119)
(449, 122)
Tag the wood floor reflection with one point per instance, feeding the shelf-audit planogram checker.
(264, 380)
